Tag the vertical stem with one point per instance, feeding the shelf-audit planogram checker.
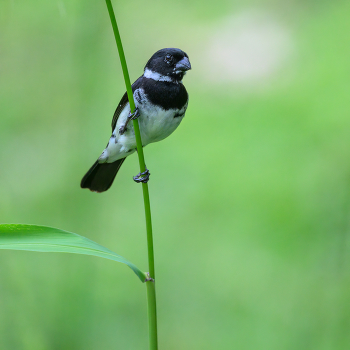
(149, 230)
(151, 291)
(152, 315)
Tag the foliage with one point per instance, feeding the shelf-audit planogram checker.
(49, 239)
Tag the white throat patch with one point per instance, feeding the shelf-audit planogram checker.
(156, 76)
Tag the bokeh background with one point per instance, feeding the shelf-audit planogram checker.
(250, 196)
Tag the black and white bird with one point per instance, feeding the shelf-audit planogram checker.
(161, 101)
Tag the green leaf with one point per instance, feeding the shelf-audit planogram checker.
(49, 239)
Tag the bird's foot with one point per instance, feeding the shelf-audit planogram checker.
(142, 177)
(135, 114)
(131, 116)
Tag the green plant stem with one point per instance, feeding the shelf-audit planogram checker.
(152, 316)
(151, 291)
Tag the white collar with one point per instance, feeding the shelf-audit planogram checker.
(158, 77)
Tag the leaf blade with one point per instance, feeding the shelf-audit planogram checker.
(50, 239)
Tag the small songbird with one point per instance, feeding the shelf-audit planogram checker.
(161, 101)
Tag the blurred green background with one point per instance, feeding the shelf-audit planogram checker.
(250, 196)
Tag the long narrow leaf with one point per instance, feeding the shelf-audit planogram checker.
(49, 239)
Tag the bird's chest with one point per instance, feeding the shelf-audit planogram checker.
(157, 123)
(156, 120)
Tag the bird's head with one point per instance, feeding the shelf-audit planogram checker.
(171, 63)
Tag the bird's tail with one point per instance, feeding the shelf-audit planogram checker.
(100, 176)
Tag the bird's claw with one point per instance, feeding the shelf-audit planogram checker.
(135, 114)
(142, 177)
(131, 116)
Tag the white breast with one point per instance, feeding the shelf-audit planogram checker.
(155, 125)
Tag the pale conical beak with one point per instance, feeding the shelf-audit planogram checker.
(183, 65)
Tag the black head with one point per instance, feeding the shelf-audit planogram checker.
(169, 62)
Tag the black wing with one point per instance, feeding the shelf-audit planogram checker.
(123, 102)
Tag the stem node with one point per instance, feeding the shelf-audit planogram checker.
(149, 278)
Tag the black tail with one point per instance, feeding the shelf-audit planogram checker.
(100, 177)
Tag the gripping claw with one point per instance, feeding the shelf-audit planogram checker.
(142, 177)
(131, 116)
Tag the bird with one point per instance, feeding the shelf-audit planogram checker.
(161, 101)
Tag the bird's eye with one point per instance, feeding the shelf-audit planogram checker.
(168, 59)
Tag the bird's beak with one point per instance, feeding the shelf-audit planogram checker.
(183, 65)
